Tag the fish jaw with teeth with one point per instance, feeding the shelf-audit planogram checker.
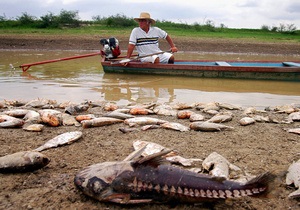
(153, 180)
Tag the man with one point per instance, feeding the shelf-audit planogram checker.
(145, 39)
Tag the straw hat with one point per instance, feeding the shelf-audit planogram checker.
(145, 15)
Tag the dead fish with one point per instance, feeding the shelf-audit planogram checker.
(259, 118)
(252, 110)
(218, 166)
(143, 121)
(196, 117)
(221, 117)
(10, 122)
(23, 161)
(246, 121)
(34, 127)
(288, 109)
(62, 139)
(184, 114)
(100, 121)
(15, 103)
(208, 106)
(249, 111)
(68, 119)
(150, 179)
(128, 130)
(211, 112)
(294, 130)
(40, 102)
(293, 177)
(32, 117)
(110, 107)
(118, 115)
(181, 106)
(140, 111)
(175, 126)
(75, 109)
(151, 148)
(51, 117)
(165, 110)
(295, 116)
(80, 118)
(2, 105)
(229, 106)
(208, 126)
(16, 112)
(148, 127)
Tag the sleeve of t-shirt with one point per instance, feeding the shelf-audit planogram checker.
(162, 34)
(132, 38)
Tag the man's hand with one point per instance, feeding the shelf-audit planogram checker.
(174, 49)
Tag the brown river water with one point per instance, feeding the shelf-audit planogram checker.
(83, 79)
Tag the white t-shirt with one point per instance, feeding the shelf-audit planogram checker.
(147, 43)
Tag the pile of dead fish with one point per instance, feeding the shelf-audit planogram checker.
(35, 114)
(208, 117)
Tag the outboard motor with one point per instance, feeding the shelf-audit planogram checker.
(111, 47)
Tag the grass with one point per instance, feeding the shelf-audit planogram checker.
(217, 33)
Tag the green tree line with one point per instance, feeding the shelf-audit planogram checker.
(71, 19)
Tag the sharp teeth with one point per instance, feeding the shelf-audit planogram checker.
(157, 188)
(197, 193)
(215, 194)
(208, 193)
(140, 186)
(186, 191)
(179, 190)
(243, 193)
(135, 182)
(203, 194)
(192, 194)
(262, 189)
(228, 193)
(221, 194)
(255, 190)
(150, 186)
(249, 192)
(236, 193)
(173, 190)
(165, 189)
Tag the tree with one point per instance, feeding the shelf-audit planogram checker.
(69, 18)
(26, 19)
(49, 21)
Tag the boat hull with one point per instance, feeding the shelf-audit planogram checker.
(234, 70)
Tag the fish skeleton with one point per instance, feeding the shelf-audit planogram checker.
(65, 138)
(23, 161)
(150, 180)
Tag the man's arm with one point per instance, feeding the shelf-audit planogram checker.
(172, 45)
(130, 50)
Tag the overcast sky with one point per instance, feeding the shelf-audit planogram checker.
(231, 13)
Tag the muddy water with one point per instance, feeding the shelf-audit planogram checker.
(83, 79)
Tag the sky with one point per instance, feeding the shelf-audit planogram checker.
(231, 13)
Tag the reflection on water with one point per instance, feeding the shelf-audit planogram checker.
(82, 79)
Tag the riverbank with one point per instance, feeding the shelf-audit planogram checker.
(199, 44)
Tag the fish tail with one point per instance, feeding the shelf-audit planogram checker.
(260, 184)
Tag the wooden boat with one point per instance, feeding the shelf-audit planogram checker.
(264, 70)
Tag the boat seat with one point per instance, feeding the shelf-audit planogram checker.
(222, 63)
(291, 64)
